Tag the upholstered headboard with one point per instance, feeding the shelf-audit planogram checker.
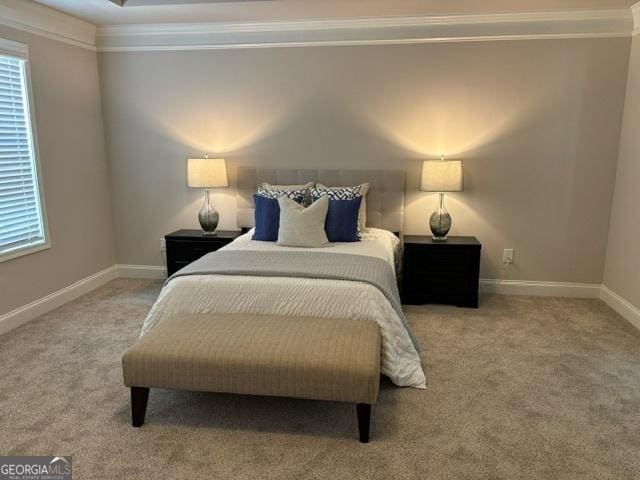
(385, 200)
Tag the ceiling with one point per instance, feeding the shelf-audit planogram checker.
(109, 12)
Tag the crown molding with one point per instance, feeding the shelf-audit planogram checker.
(635, 11)
(50, 23)
(47, 22)
(365, 31)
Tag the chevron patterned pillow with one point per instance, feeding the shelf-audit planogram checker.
(292, 191)
(293, 194)
(345, 193)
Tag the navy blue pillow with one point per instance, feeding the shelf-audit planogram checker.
(267, 217)
(341, 224)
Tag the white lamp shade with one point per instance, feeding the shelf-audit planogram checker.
(207, 172)
(442, 176)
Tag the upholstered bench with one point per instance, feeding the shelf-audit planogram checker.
(303, 357)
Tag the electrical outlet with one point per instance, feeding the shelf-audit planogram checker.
(507, 255)
(163, 244)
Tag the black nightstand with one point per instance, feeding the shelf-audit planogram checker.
(441, 272)
(185, 246)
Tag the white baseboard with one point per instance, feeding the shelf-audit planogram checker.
(541, 289)
(32, 310)
(628, 311)
(141, 271)
(23, 314)
(487, 285)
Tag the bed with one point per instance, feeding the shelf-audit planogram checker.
(211, 289)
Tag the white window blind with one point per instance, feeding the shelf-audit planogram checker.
(21, 219)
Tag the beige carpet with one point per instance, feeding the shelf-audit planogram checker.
(523, 388)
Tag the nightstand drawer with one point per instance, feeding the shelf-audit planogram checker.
(177, 265)
(436, 282)
(181, 250)
(431, 260)
(186, 246)
(460, 300)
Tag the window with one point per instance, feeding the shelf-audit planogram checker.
(22, 224)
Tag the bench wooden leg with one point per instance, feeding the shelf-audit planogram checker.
(364, 419)
(139, 398)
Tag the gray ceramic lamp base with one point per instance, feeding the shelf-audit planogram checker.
(208, 216)
(440, 222)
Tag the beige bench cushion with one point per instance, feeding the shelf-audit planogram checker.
(316, 358)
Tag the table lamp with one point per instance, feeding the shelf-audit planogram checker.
(207, 173)
(441, 176)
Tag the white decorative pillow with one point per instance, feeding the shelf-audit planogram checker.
(291, 191)
(346, 193)
(302, 227)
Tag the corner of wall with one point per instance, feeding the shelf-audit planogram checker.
(620, 283)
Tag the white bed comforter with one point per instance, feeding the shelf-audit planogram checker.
(302, 296)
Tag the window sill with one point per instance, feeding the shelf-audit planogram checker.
(22, 251)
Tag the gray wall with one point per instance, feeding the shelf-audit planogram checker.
(622, 271)
(75, 173)
(537, 123)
